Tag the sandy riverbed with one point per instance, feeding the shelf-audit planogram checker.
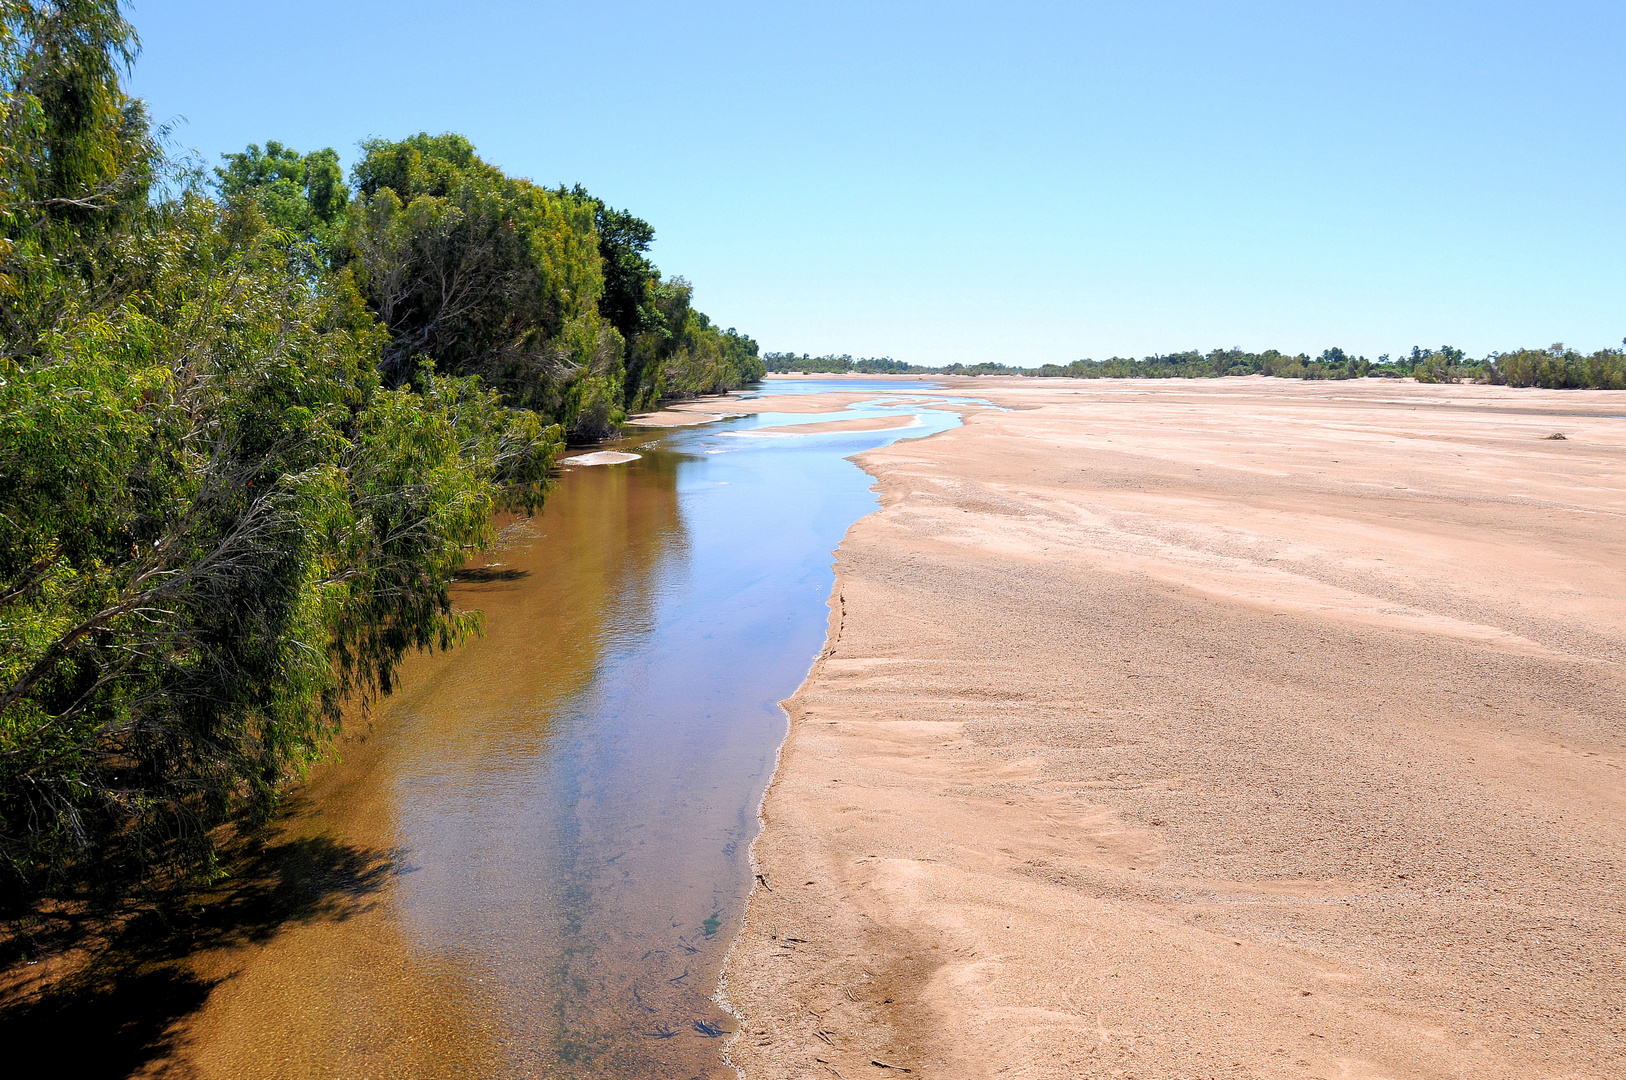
(1231, 728)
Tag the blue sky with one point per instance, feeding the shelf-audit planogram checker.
(1016, 182)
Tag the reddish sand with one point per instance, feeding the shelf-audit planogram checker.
(1211, 729)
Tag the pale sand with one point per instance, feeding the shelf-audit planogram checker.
(672, 418)
(866, 423)
(601, 457)
(789, 403)
(1218, 728)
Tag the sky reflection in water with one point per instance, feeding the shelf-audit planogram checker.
(576, 792)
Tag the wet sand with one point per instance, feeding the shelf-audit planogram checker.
(1226, 728)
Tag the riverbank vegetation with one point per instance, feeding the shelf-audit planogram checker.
(250, 427)
(1555, 367)
(838, 365)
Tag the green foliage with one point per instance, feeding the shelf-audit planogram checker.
(77, 159)
(484, 274)
(672, 350)
(218, 525)
(304, 194)
(1445, 364)
(75, 146)
(1559, 368)
(546, 295)
(630, 278)
(836, 365)
(693, 357)
(246, 442)
(215, 528)
(1332, 364)
(1554, 367)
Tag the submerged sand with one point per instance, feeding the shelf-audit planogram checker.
(1225, 728)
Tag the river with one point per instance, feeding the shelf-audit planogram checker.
(530, 859)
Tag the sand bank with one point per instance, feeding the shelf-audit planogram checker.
(601, 457)
(866, 423)
(672, 418)
(1230, 728)
(788, 403)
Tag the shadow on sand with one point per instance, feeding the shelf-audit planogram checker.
(121, 981)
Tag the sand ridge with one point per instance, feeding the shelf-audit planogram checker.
(1218, 728)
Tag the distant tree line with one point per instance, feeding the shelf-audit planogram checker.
(835, 365)
(1558, 368)
(1425, 364)
(1555, 367)
(250, 428)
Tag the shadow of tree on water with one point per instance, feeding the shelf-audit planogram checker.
(489, 573)
(117, 1010)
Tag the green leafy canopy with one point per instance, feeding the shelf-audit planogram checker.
(248, 437)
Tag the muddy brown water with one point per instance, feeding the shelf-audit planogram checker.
(532, 859)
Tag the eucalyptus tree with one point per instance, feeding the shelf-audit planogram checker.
(218, 527)
(246, 439)
(485, 274)
(302, 193)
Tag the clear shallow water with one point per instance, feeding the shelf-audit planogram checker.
(567, 804)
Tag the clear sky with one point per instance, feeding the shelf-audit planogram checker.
(1016, 182)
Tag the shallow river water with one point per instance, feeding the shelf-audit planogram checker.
(560, 812)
